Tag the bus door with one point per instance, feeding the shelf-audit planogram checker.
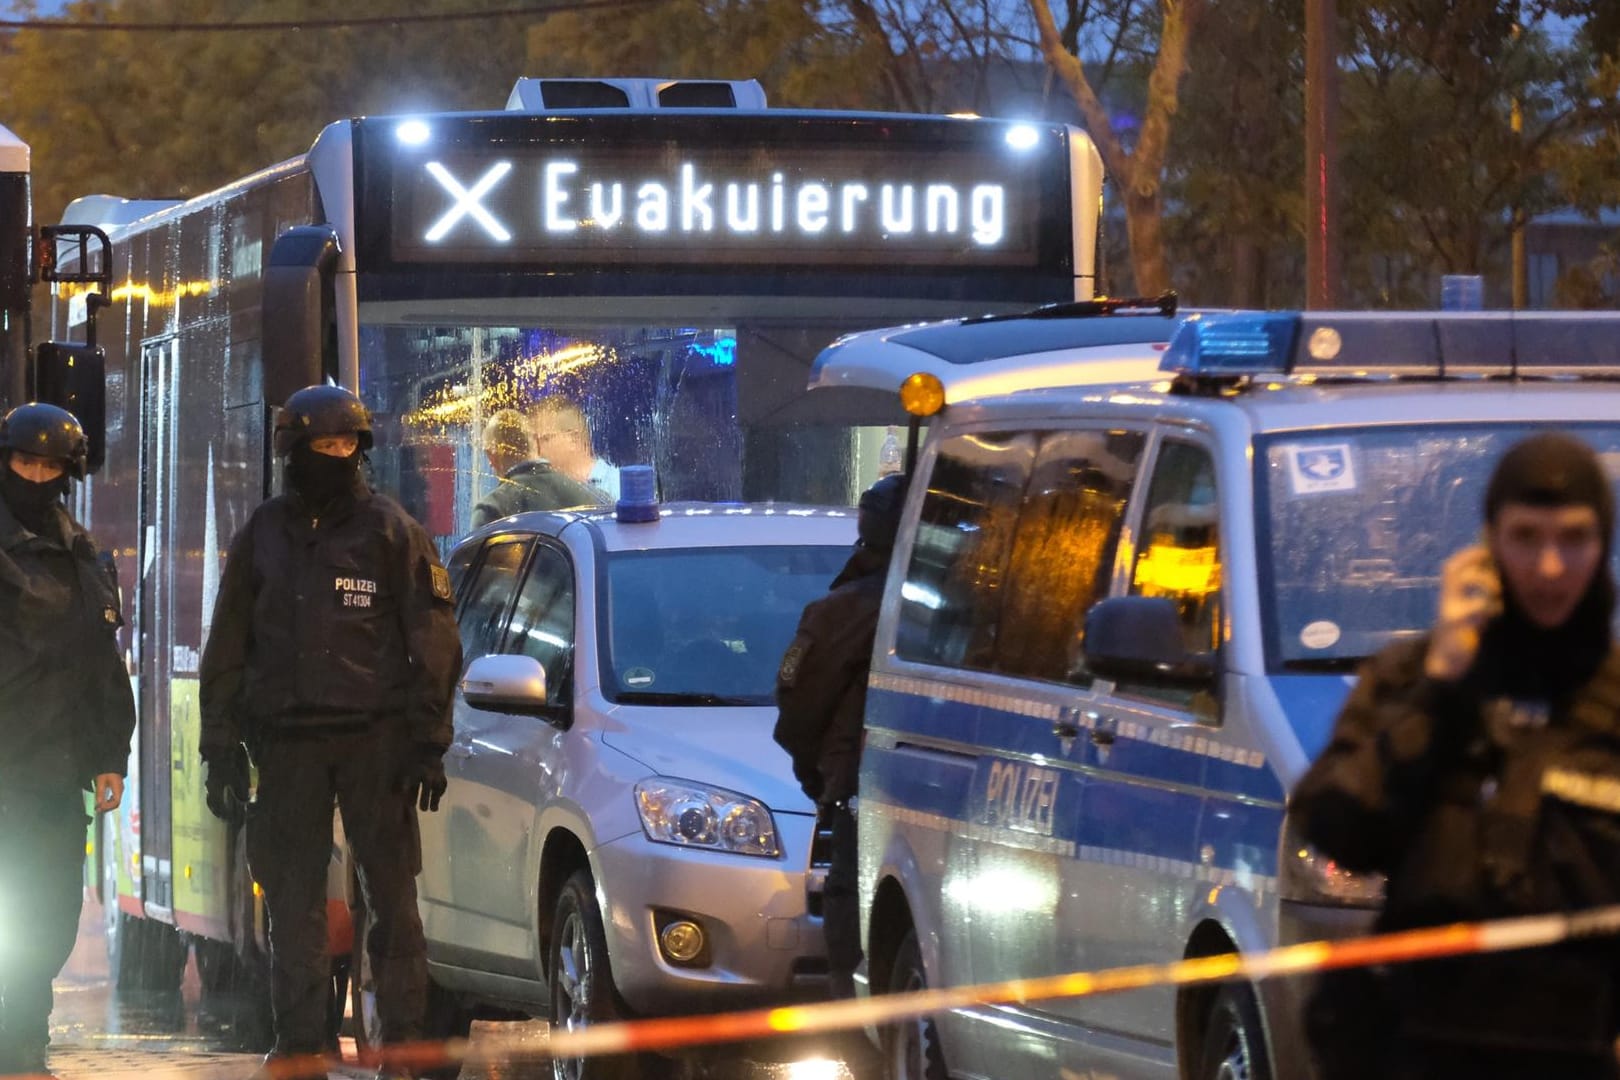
(153, 620)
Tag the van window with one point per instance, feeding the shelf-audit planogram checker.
(1063, 552)
(950, 603)
(1179, 554)
(1016, 541)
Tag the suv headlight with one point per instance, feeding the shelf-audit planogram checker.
(1306, 876)
(691, 815)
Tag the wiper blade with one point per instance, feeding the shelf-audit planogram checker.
(1324, 664)
(653, 697)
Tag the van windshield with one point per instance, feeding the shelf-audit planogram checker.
(706, 626)
(1354, 525)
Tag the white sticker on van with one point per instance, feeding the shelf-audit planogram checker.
(1321, 467)
(1321, 634)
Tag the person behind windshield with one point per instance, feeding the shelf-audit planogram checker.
(66, 716)
(821, 712)
(1477, 767)
(563, 439)
(527, 482)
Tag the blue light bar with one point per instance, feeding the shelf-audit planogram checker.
(1243, 343)
(638, 495)
(1425, 344)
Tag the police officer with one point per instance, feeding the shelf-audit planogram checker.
(66, 716)
(821, 703)
(332, 657)
(1476, 767)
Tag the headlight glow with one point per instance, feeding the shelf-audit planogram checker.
(1307, 876)
(692, 815)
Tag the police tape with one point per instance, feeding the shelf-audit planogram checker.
(674, 1033)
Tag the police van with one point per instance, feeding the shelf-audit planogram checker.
(1119, 624)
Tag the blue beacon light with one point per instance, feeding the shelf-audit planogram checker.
(638, 495)
(1250, 343)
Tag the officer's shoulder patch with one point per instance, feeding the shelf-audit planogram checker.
(788, 673)
(441, 583)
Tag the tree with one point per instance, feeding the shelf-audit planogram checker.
(156, 115)
(1137, 170)
(1234, 175)
(1434, 169)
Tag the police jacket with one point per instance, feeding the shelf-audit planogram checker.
(330, 618)
(66, 711)
(533, 485)
(1479, 809)
(821, 684)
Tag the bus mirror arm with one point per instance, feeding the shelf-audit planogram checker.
(299, 347)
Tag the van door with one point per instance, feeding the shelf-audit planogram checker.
(1180, 806)
(971, 778)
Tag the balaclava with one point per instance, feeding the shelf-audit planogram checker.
(32, 502)
(1517, 658)
(319, 478)
(876, 525)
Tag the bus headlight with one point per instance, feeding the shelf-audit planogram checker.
(1306, 876)
(690, 815)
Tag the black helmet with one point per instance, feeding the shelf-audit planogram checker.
(880, 506)
(321, 410)
(37, 428)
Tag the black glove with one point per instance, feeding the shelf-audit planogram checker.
(227, 783)
(423, 776)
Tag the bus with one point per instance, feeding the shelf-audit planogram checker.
(666, 257)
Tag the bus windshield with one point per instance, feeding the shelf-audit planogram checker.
(558, 410)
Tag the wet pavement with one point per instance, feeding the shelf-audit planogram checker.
(97, 1032)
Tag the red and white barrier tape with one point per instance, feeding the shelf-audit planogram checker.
(672, 1033)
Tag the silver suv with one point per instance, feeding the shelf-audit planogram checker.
(621, 834)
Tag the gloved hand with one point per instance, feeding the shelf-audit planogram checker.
(227, 784)
(423, 776)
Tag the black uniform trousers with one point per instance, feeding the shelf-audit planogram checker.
(42, 837)
(289, 844)
(840, 900)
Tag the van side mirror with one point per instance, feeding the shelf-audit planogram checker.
(74, 377)
(1139, 639)
(299, 330)
(506, 683)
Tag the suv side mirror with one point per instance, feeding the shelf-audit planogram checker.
(505, 682)
(1138, 639)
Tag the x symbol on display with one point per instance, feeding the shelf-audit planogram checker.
(467, 201)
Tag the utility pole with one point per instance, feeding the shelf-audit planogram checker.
(1521, 258)
(1322, 253)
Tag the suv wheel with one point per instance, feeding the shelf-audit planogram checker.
(1234, 1046)
(911, 1048)
(582, 991)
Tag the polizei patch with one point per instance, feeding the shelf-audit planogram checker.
(354, 592)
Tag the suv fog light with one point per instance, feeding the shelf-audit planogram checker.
(682, 941)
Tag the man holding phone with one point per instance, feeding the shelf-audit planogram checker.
(1476, 767)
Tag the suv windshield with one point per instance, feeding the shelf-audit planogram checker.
(1353, 526)
(706, 626)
